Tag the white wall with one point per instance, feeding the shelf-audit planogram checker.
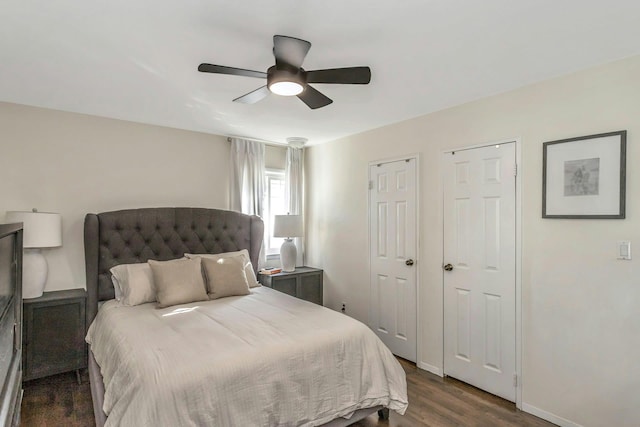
(74, 164)
(581, 307)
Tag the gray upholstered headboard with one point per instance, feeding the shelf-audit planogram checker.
(138, 235)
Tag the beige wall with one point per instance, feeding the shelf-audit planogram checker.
(581, 306)
(74, 164)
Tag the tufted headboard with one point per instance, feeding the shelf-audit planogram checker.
(138, 235)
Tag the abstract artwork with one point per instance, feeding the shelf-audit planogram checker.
(581, 177)
(584, 177)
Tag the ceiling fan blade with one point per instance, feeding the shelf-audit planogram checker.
(289, 51)
(253, 96)
(221, 69)
(351, 75)
(314, 99)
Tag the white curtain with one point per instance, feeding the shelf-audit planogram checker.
(294, 191)
(247, 180)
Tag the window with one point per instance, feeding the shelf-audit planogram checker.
(274, 205)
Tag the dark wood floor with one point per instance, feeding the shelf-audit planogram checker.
(438, 402)
(59, 401)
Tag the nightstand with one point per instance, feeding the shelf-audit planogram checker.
(53, 339)
(304, 283)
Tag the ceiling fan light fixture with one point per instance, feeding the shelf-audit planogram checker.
(285, 88)
(286, 81)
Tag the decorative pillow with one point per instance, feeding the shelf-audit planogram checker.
(133, 283)
(178, 281)
(248, 268)
(226, 276)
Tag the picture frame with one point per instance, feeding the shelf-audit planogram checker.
(585, 177)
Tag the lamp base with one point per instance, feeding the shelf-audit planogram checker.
(288, 255)
(34, 273)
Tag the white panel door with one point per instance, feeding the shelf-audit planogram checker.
(479, 268)
(393, 249)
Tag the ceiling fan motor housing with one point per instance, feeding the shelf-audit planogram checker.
(286, 75)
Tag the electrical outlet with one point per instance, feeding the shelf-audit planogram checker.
(344, 307)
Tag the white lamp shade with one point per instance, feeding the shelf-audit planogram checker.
(287, 226)
(41, 229)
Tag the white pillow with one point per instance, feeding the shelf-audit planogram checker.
(226, 276)
(117, 290)
(133, 283)
(248, 268)
(178, 281)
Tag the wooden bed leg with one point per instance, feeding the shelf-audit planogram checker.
(383, 414)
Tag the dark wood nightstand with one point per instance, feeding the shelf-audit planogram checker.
(304, 283)
(53, 339)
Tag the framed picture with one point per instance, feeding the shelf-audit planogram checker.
(585, 177)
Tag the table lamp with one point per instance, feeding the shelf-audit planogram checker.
(41, 230)
(288, 226)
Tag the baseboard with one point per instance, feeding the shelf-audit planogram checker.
(429, 368)
(548, 416)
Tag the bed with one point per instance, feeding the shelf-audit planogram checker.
(264, 358)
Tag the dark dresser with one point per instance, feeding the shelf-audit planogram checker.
(10, 324)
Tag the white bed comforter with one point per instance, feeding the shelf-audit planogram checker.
(264, 359)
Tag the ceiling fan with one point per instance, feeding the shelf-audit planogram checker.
(288, 78)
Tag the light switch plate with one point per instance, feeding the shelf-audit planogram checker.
(624, 249)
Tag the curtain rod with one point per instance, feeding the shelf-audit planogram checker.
(275, 144)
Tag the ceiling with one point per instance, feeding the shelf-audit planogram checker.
(136, 59)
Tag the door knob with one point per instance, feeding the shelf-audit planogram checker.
(409, 262)
(448, 267)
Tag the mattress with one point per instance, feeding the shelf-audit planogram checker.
(262, 359)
